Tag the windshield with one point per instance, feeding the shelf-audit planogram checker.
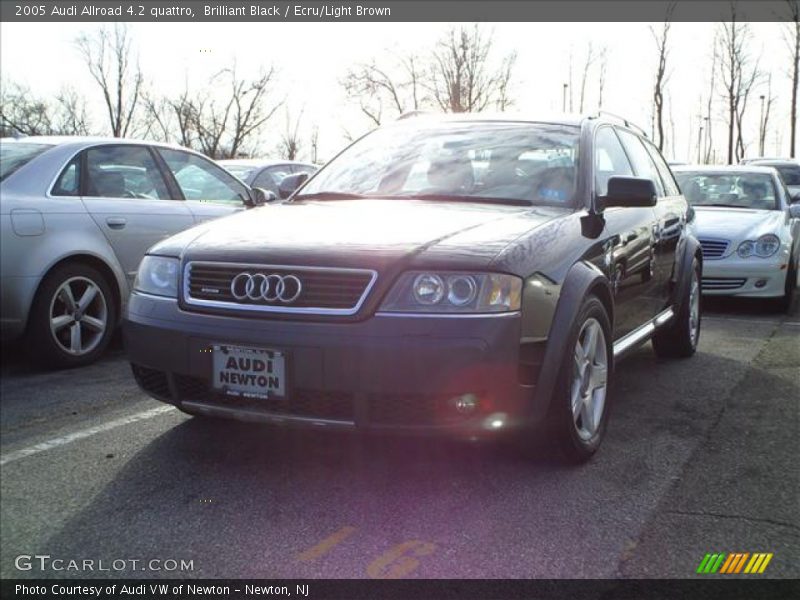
(14, 154)
(240, 171)
(789, 173)
(518, 163)
(732, 190)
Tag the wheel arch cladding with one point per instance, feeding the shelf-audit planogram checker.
(96, 263)
(582, 280)
(691, 252)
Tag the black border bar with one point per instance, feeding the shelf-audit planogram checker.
(442, 589)
(388, 10)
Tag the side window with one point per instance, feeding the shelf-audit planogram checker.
(123, 172)
(200, 179)
(642, 163)
(68, 183)
(270, 178)
(670, 185)
(610, 159)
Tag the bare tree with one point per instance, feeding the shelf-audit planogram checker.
(738, 73)
(108, 54)
(290, 144)
(250, 108)
(396, 86)
(71, 117)
(314, 143)
(662, 39)
(601, 76)
(22, 113)
(465, 75)
(766, 106)
(793, 41)
(710, 102)
(590, 58)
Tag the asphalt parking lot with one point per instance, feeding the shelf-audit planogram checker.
(701, 456)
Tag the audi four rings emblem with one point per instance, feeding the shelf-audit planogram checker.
(257, 286)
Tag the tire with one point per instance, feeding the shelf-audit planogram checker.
(578, 415)
(679, 339)
(51, 338)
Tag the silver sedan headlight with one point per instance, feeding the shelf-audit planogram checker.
(454, 292)
(158, 275)
(763, 247)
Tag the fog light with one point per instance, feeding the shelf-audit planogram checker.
(466, 404)
(761, 283)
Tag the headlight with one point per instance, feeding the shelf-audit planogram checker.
(454, 292)
(763, 247)
(767, 245)
(158, 276)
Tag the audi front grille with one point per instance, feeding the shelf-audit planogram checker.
(714, 248)
(276, 288)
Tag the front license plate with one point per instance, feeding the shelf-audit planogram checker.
(249, 372)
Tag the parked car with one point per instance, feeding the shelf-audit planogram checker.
(266, 174)
(395, 291)
(76, 217)
(789, 170)
(748, 229)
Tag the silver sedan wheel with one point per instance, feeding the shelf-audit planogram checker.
(590, 378)
(78, 316)
(694, 310)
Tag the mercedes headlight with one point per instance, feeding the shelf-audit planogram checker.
(454, 292)
(157, 275)
(763, 247)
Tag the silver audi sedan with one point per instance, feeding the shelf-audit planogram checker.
(76, 217)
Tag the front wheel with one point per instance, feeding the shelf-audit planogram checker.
(580, 407)
(679, 338)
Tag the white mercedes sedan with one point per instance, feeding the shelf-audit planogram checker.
(748, 229)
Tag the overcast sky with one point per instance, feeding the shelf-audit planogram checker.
(312, 58)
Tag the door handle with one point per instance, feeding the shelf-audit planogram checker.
(116, 222)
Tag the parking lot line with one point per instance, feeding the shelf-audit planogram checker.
(84, 433)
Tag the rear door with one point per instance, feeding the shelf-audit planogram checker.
(209, 190)
(125, 192)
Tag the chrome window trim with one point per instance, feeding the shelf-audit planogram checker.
(234, 306)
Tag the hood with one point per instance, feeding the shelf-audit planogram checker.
(737, 224)
(362, 233)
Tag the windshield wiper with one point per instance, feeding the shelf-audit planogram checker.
(465, 198)
(329, 196)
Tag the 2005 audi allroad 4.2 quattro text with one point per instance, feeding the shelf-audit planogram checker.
(462, 275)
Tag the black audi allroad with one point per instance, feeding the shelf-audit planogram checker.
(468, 275)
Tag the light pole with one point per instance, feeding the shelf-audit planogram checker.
(707, 138)
(761, 128)
(564, 99)
(699, 143)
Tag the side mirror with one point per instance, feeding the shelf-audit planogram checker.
(795, 198)
(290, 183)
(260, 196)
(794, 210)
(628, 192)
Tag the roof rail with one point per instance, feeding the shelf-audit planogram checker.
(626, 122)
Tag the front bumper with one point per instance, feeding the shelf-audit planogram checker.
(399, 373)
(747, 277)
